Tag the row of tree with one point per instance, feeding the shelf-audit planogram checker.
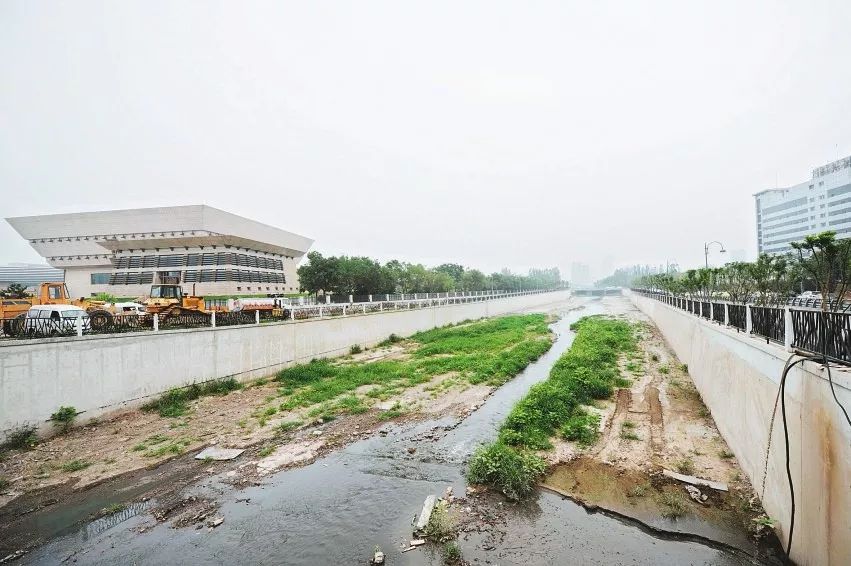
(362, 276)
(820, 262)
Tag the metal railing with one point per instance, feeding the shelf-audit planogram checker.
(827, 333)
(804, 329)
(27, 328)
(769, 323)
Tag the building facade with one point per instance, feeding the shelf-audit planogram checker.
(821, 203)
(206, 250)
(29, 275)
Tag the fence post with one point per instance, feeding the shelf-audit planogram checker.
(257, 316)
(344, 309)
(788, 330)
(370, 298)
(213, 320)
(327, 299)
(711, 312)
(748, 320)
(320, 311)
(726, 314)
(156, 322)
(351, 299)
(79, 324)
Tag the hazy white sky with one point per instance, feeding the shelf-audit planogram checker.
(490, 133)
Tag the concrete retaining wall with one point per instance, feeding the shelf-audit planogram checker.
(98, 374)
(739, 377)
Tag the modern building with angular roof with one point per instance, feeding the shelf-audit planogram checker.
(207, 250)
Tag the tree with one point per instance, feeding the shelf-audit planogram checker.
(828, 262)
(455, 271)
(15, 291)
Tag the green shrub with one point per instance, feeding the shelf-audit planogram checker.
(440, 525)
(64, 417)
(512, 471)
(355, 349)
(19, 437)
(673, 505)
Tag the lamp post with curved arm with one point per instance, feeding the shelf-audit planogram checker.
(706, 250)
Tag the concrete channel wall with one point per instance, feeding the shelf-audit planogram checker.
(99, 374)
(738, 377)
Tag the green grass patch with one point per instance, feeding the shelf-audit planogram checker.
(491, 351)
(75, 465)
(174, 402)
(288, 426)
(397, 410)
(175, 446)
(582, 427)
(513, 471)
(588, 371)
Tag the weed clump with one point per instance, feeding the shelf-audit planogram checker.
(355, 349)
(582, 427)
(392, 339)
(673, 505)
(440, 525)
(19, 437)
(288, 426)
(75, 465)
(173, 403)
(686, 466)
(451, 553)
(511, 470)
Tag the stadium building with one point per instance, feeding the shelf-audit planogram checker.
(206, 250)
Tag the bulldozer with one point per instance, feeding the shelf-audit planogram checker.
(14, 311)
(169, 302)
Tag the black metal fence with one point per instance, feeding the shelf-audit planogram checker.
(813, 331)
(769, 323)
(737, 316)
(826, 333)
(718, 312)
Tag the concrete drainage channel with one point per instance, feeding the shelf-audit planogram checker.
(350, 504)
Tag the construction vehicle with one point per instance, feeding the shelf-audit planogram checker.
(168, 301)
(14, 311)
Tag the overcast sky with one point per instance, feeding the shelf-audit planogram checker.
(489, 133)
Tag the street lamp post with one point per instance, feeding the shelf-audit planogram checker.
(706, 251)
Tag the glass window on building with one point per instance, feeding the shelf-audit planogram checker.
(100, 278)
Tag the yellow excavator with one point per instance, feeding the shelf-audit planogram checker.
(14, 311)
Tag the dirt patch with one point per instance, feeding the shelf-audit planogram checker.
(658, 422)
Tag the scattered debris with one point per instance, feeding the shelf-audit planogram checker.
(695, 481)
(417, 542)
(215, 522)
(425, 514)
(14, 556)
(695, 494)
(378, 557)
(216, 453)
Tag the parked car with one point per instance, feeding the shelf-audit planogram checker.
(54, 320)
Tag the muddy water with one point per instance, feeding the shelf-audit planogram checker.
(336, 510)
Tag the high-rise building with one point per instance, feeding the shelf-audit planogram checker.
(580, 274)
(822, 203)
